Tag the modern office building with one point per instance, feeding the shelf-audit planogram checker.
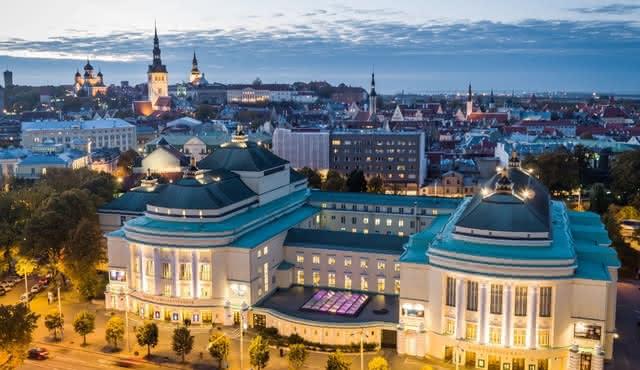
(506, 279)
(303, 147)
(398, 157)
(104, 133)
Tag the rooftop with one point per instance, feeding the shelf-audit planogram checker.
(242, 157)
(68, 125)
(384, 199)
(344, 240)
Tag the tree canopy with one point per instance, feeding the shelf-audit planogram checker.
(84, 323)
(337, 361)
(356, 182)
(219, 346)
(625, 175)
(313, 177)
(182, 341)
(147, 335)
(17, 323)
(114, 331)
(259, 352)
(297, 356)
(334, 182)
(54, 321)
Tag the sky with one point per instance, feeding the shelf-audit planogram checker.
(415, 46)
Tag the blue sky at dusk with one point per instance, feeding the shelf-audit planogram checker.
(419, 46)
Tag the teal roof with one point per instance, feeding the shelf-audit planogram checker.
(284, 266)
(295, 176)
(416, 248)
(280, 224)
(133, 201)
(241, 157)
(384, 199)
(344, 240)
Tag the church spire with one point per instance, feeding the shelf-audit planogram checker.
(469, 95)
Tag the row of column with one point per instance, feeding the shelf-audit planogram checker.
(507, 313)
(175, 273)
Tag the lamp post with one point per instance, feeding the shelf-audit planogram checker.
(243, 310)
(362, 336)
(126, 320)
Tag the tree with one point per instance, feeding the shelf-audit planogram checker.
(82, 254)
(219, 346)
(127, 160)
(259, 352)
(356, 183)
(205, 112)
(17, 323)
(378, 363)
(598, 199)
(297, 356)
(83, 324)
(627, 212)
(114, 331)
(182, 341)
(625, 175)
(54, 321)
(557, 170)
(313, 177)
(147, 335)
(336, 361)
(333, 182)
(257, 81)
(376, 185)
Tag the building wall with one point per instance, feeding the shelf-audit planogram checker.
(123, 138)
(158, 85)
(302, 148)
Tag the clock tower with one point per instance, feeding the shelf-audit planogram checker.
(157, 75)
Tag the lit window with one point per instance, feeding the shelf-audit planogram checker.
(364, 284)
(259, 253)
(265, 251)
(377, 221)
(205, 272)
(400, 233)
(331, 260)
(389, 222)
(365, 231)
(347, 261)
(519, 337)
(166, 271)
(521, 301)
(396, 286)
(354, 230)
(205, 292)
(149, 268)
(347, 281)
(495, 335)
(400, 223)
(300, 258)
(543, 337)
(451, 327)
(451, 292)
(365, 220)
(364, 263)
(381, 285)
(471, 332)
(185, 271)
(316, 278)
(316, 259)
(381, 265)
(332, 279)
(167, 290)
(396, 267)
(300, 277)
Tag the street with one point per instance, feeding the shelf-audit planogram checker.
(625, 352)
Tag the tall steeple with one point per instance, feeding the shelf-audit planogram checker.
(194, 76)
(194, 62)
(373, 98)
(492, 103)
(157, 76)
(156, 48)
(469, 102)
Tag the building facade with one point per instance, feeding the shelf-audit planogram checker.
(303, 147)
(91, 83)
(397, 157)
(105, 133)
(157, 76)
(506, 279)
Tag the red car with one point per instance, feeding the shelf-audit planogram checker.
(43, 281)
(38, 353)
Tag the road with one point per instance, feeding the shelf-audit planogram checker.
(625, 351)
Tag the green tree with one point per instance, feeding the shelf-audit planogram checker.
(356, 182)
(337, 361)
(313, 177)
(376, 185)
(17, 323)
(205, 112)
(626, 213)
(82, 254)
(297, 356)
(598, 199)
(147, 335)
(114, 331)
(333, 182)
(219, 346)
(182, 341)
(83, 324)
(625, 175)
(557, 170)
(127, 160)
(259, 352)
(54, 321)
(378, 363)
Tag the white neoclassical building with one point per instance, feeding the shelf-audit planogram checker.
(505, 280)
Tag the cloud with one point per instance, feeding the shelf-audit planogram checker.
(613, 9)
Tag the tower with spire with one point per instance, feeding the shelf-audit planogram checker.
(469, 102)
(492, 103)
(157, 75)
(373, 98)
(194, 76)
(90, 82)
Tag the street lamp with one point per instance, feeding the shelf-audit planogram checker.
(243, 324)
(362, 336)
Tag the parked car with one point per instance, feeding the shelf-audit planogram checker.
(36, 289)
(2, 291)
(6, 286)
(38, 353)
(43, 281)
(10, 282)
(26, 297)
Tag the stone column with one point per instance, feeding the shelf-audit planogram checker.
(143, 275)
(506, 315)
(532, 316)
(157, 288)
(194, 274)
(597, 361)
(574, 357)
(421, 341)
(460, 308)
(176, 274)
(482, 314)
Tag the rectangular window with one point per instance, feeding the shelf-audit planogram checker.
(471, 332)
(396, 267)
(365, 220)
(347, 261)
(149, 268)
(259, 253)
(265, 251)
(381, 285)
(316, 278)
(364, 283)
(332, 279)
(205, 292)
(354, 220)
(521, 301)
(342, 219)
(582, 330)
(389, 222)
(205, 272)
(519, 337)
(364, 263)
(495, 335)
(167, 290)
(545, 301)
(166, 271)
(331, 260)
(496, 299)
(347, 281)
(377, 222)
(300, 258)
(185, 271)
(543, 337)
(316, 259)
(472, 295)
(381, 265)
(265, 276)
(451, 292)
(450, 328)
(300, 277)
(396, 286)
(400, 223)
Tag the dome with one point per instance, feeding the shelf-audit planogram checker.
(241, 157)
(100, 74)
(78, 74)
(88, 66)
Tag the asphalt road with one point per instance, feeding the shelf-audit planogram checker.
(626, 355)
